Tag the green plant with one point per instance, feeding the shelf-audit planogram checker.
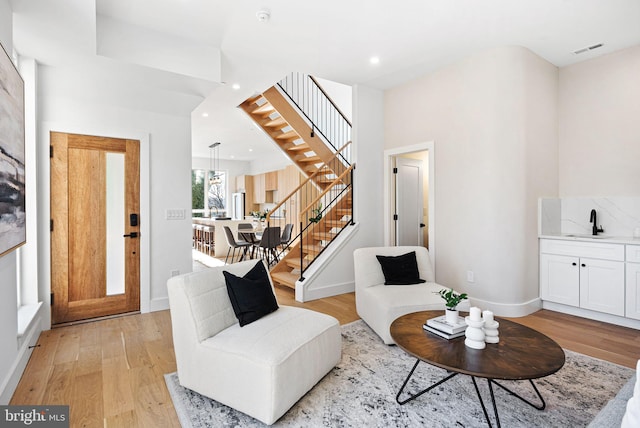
(317, 214)
(452, 298)
(260, 215)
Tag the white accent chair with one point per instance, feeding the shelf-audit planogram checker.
(261, 369)
(379, 305)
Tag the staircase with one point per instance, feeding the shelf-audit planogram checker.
(303, 121)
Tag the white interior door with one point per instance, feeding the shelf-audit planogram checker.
(409, 201)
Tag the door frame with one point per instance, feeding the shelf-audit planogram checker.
(44, 268)
(389, 193)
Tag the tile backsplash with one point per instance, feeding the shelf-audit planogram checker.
(618, 216)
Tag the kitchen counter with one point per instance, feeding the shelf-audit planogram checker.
(603, 238)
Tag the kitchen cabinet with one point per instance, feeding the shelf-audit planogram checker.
(271, 181)
(560, 279)
(632, 301)
(242, 182)
(583, 274)
(602, 286)
(260, 193)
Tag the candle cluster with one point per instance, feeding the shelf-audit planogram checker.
(481, 328)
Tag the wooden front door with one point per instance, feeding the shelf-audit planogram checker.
(95, 245)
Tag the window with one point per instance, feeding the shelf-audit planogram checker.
(208, 197)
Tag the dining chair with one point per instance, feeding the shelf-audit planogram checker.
(268, 244)
(246, 232)
(286, 235)
(233, 244)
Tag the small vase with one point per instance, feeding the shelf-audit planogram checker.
(451, 316)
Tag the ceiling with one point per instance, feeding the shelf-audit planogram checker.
(185, 55)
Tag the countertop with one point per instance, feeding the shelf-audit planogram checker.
(604, 238)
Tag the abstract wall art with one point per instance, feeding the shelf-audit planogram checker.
(12, 157)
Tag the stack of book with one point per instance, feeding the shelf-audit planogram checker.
(441, 327)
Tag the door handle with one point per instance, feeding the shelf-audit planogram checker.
(131, 235)
(422, 225)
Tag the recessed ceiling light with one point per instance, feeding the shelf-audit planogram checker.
(232, 157)
(205, 114)
(250, 150)
(374, 60)
(235, 86)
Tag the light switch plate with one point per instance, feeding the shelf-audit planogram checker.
(174, 214)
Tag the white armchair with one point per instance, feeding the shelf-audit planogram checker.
(379, 305)
(261, 369)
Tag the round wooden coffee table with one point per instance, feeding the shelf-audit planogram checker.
(521, 354)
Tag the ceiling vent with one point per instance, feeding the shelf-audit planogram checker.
(587, 49)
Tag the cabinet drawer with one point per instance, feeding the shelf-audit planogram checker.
(633, 253)
(594, 250)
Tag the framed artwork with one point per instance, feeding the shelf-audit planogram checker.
(12, 156)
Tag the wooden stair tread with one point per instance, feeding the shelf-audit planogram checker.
(307, 159)
(285, 278)
(324, 236)
(312, 249)
(336, 223)
(253, 99)
(292, 147)
(287, 135)
(275, 123)
(295, 263)
(264, 108)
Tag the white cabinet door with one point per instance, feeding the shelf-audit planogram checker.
(559, 279)
(633, 291)
(602, 286)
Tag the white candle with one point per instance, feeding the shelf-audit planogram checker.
(474, 314)
(487, 316)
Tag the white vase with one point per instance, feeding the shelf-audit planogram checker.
(451, 316)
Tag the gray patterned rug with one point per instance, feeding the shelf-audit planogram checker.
(361, 390)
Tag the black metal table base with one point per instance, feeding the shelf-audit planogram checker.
(490, 383)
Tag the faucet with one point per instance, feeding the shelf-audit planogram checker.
(595, 229)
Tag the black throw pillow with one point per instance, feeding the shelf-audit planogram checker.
(400, 270)
(251, 296)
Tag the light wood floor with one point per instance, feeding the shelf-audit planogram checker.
(110, 372)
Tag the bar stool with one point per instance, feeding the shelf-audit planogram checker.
(208, 240)
(193, 236)
(199, 236)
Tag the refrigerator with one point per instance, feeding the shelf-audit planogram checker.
(237, 206)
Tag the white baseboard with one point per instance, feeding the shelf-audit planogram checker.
(513, 310)
(159, 304)
(327, 291)
(29, 338)
(586, 313)
(308, 289)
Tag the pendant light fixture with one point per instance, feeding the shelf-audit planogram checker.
(214, 163)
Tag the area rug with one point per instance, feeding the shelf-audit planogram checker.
(361, 391)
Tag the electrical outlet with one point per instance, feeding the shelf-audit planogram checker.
(470, 276)
(175, 272)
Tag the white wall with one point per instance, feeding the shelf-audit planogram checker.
(170, 175)
(8, 267)
(277, 160)
(600, 126)
(493, 118)
(340, 94)
(367, 201)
